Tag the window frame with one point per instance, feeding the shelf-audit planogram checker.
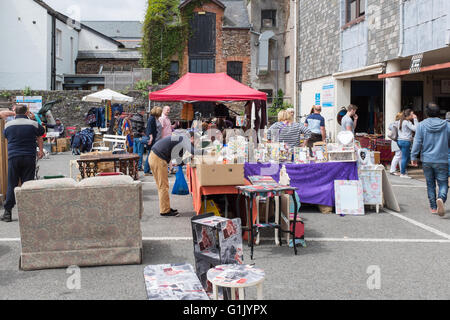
(287, 64)
(58, 44)
(234, 75)
(273, 17)
(360, 16)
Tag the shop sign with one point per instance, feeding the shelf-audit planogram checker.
(328, 95)
(416, 63)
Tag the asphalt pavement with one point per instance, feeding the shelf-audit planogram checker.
(388, 255)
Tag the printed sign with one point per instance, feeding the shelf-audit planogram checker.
(328, 95)
(317, 103)
(34, 103)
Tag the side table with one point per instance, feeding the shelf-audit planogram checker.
(236, 276)
(250, 192)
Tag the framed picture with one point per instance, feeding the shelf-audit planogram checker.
(320, 152)
(301, 155)
(349, 197)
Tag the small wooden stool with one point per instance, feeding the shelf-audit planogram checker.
(236, 276)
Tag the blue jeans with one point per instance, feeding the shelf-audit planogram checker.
(138, 148)
(405, 147)
(436, 172)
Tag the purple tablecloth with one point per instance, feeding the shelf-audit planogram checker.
(315, 182)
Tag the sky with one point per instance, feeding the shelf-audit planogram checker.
(101, 9)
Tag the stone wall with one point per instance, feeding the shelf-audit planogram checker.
(92, 66)
(71, 109)
(319, 38)
(384, 30)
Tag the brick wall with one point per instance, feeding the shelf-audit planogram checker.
(319, 38)
(93, 66)
(231, 45)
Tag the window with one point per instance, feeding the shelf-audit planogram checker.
(269, 93)
(202, 65)
(58, 43)
(268, 18)
(287, 64)
(234, 70)
(174, 71)
(355, 9)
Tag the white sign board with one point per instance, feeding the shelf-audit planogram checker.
(328, 95)
(34, 103)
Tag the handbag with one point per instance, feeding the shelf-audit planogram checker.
(393, 132)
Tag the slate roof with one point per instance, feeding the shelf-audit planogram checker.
(109, 54)
(235, 15)
(117, 29)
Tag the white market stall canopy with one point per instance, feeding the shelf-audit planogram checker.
(107, 95)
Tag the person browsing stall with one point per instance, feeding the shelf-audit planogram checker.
(406, 128)
(287, 130)
(350, 120)
(22, 134)
(162, 153)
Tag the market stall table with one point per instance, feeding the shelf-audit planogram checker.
(125, 163)
(314, 181)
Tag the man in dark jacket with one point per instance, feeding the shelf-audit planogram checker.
(163, 151)
(431, 141)
(21, 134)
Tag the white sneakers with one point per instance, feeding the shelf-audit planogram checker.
(440, 207)
(405, 176)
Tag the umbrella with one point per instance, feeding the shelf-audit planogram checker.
(107, 95)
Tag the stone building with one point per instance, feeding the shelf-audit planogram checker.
(220, 40)
(273, 42)
(361, 51)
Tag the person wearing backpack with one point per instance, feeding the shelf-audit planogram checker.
(393, 135)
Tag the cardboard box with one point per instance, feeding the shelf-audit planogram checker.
(61, 149)
(220, 174)
(61, 142)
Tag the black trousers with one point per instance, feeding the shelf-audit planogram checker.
(19, 169)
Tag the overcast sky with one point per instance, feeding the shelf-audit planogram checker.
(101, 9)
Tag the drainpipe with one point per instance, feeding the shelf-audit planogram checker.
(53, 55)
(400, 49)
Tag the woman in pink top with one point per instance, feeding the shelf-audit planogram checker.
(166, 124)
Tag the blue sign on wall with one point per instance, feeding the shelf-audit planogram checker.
(317, 103)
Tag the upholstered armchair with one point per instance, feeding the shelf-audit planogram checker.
(89, 223)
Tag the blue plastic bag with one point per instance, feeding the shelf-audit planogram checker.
(180, 186)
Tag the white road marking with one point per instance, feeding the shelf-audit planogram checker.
(306, 239)
(408, 186)
(418, 224)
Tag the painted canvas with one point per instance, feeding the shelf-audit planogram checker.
(349, 197)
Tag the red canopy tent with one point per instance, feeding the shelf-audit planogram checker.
(207, 87)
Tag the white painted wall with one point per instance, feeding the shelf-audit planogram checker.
(64, 64)
(92, 41)
(24, 45)
(342, 91)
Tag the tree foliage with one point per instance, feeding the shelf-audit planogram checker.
(165, 34)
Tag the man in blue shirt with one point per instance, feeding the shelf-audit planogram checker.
(21, 134)
(316, 123)
(431, 141)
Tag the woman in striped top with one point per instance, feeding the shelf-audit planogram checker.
(288, 131)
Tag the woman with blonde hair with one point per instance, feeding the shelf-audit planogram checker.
(395, 148)
(287, 130)
(153, 132)
(406, 127)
